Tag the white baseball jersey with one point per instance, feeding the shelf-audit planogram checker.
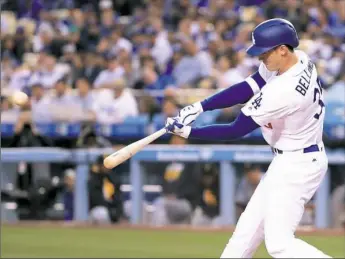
(289, 107)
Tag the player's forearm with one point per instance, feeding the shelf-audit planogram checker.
(222, 132)
(236, 94)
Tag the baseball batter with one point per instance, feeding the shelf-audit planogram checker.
(285, 99)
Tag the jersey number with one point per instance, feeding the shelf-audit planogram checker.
(318, 96)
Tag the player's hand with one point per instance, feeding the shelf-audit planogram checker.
(173, 125)
(188, 114)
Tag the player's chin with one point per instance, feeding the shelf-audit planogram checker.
(271, 68)
(268, 66)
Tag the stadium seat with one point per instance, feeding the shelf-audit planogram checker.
(335, 112)
(7, 129)
(59, 130)
(158, 122)
(132, 127)
(207, 118)
(334, 127)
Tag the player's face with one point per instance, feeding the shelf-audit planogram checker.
(271, 59)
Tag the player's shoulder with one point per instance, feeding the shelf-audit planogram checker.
(265, 73)
(286, 83)
(282, 89)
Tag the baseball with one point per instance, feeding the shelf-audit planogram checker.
(20, 98)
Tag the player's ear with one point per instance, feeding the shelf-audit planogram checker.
(284, 50)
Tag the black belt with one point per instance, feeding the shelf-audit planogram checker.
(312, 148)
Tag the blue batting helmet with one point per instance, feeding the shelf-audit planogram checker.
(272, 33)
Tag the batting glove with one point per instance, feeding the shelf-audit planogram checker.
(173, 125)
(188, 114)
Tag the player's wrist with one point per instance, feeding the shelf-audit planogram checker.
(186, 132)
(199, 107)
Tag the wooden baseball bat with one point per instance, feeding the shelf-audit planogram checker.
(127, 152)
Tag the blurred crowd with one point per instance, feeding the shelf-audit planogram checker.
(105, 60)
(110, 59)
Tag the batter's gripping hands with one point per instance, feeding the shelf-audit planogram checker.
(173, 125)
(188, 114)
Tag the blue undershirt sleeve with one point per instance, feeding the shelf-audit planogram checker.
(236, 94)
(223, 132)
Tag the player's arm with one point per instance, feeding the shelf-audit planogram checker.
(237, 94)
(262, 109)
(218, 132)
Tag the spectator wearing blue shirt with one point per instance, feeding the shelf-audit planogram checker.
(153, 82)
(193, 66)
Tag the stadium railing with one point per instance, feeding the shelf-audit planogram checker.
(225, 155)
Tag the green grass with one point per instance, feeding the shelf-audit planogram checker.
(87, 242)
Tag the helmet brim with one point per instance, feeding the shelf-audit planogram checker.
(256, 51)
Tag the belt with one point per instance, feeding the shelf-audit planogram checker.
(312, 148)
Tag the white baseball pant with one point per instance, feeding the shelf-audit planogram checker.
(276, 207)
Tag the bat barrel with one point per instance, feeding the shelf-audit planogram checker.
(127, 152)
(117, 158)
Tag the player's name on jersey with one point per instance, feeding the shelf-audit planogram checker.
(305, 79)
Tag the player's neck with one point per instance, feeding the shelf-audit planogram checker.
(290, 61)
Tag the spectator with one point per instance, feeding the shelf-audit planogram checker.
(120, 45)
(62, 102)
(91, 67)
(89, 139)
(115, 105)
(40, 104)
(193, 66)
(68, 195)
(131, 75)
(107, 17)
(250, 180)
(107, 77)
(7, 69)
(83, 96)
(170, 107)
(152, 82)
(9, 113)
(338, 207)
(207, 212)
(45, 40)
(21, 44)
(180, 193)
(21, 77)
(105, 197)
(50, 72)
(202, 31)
(8, 47)
(161, 49)
(73, 60)
(226, 74)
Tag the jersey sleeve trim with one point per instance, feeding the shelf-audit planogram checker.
(256, 82)
(259, 79)
(253, 85)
